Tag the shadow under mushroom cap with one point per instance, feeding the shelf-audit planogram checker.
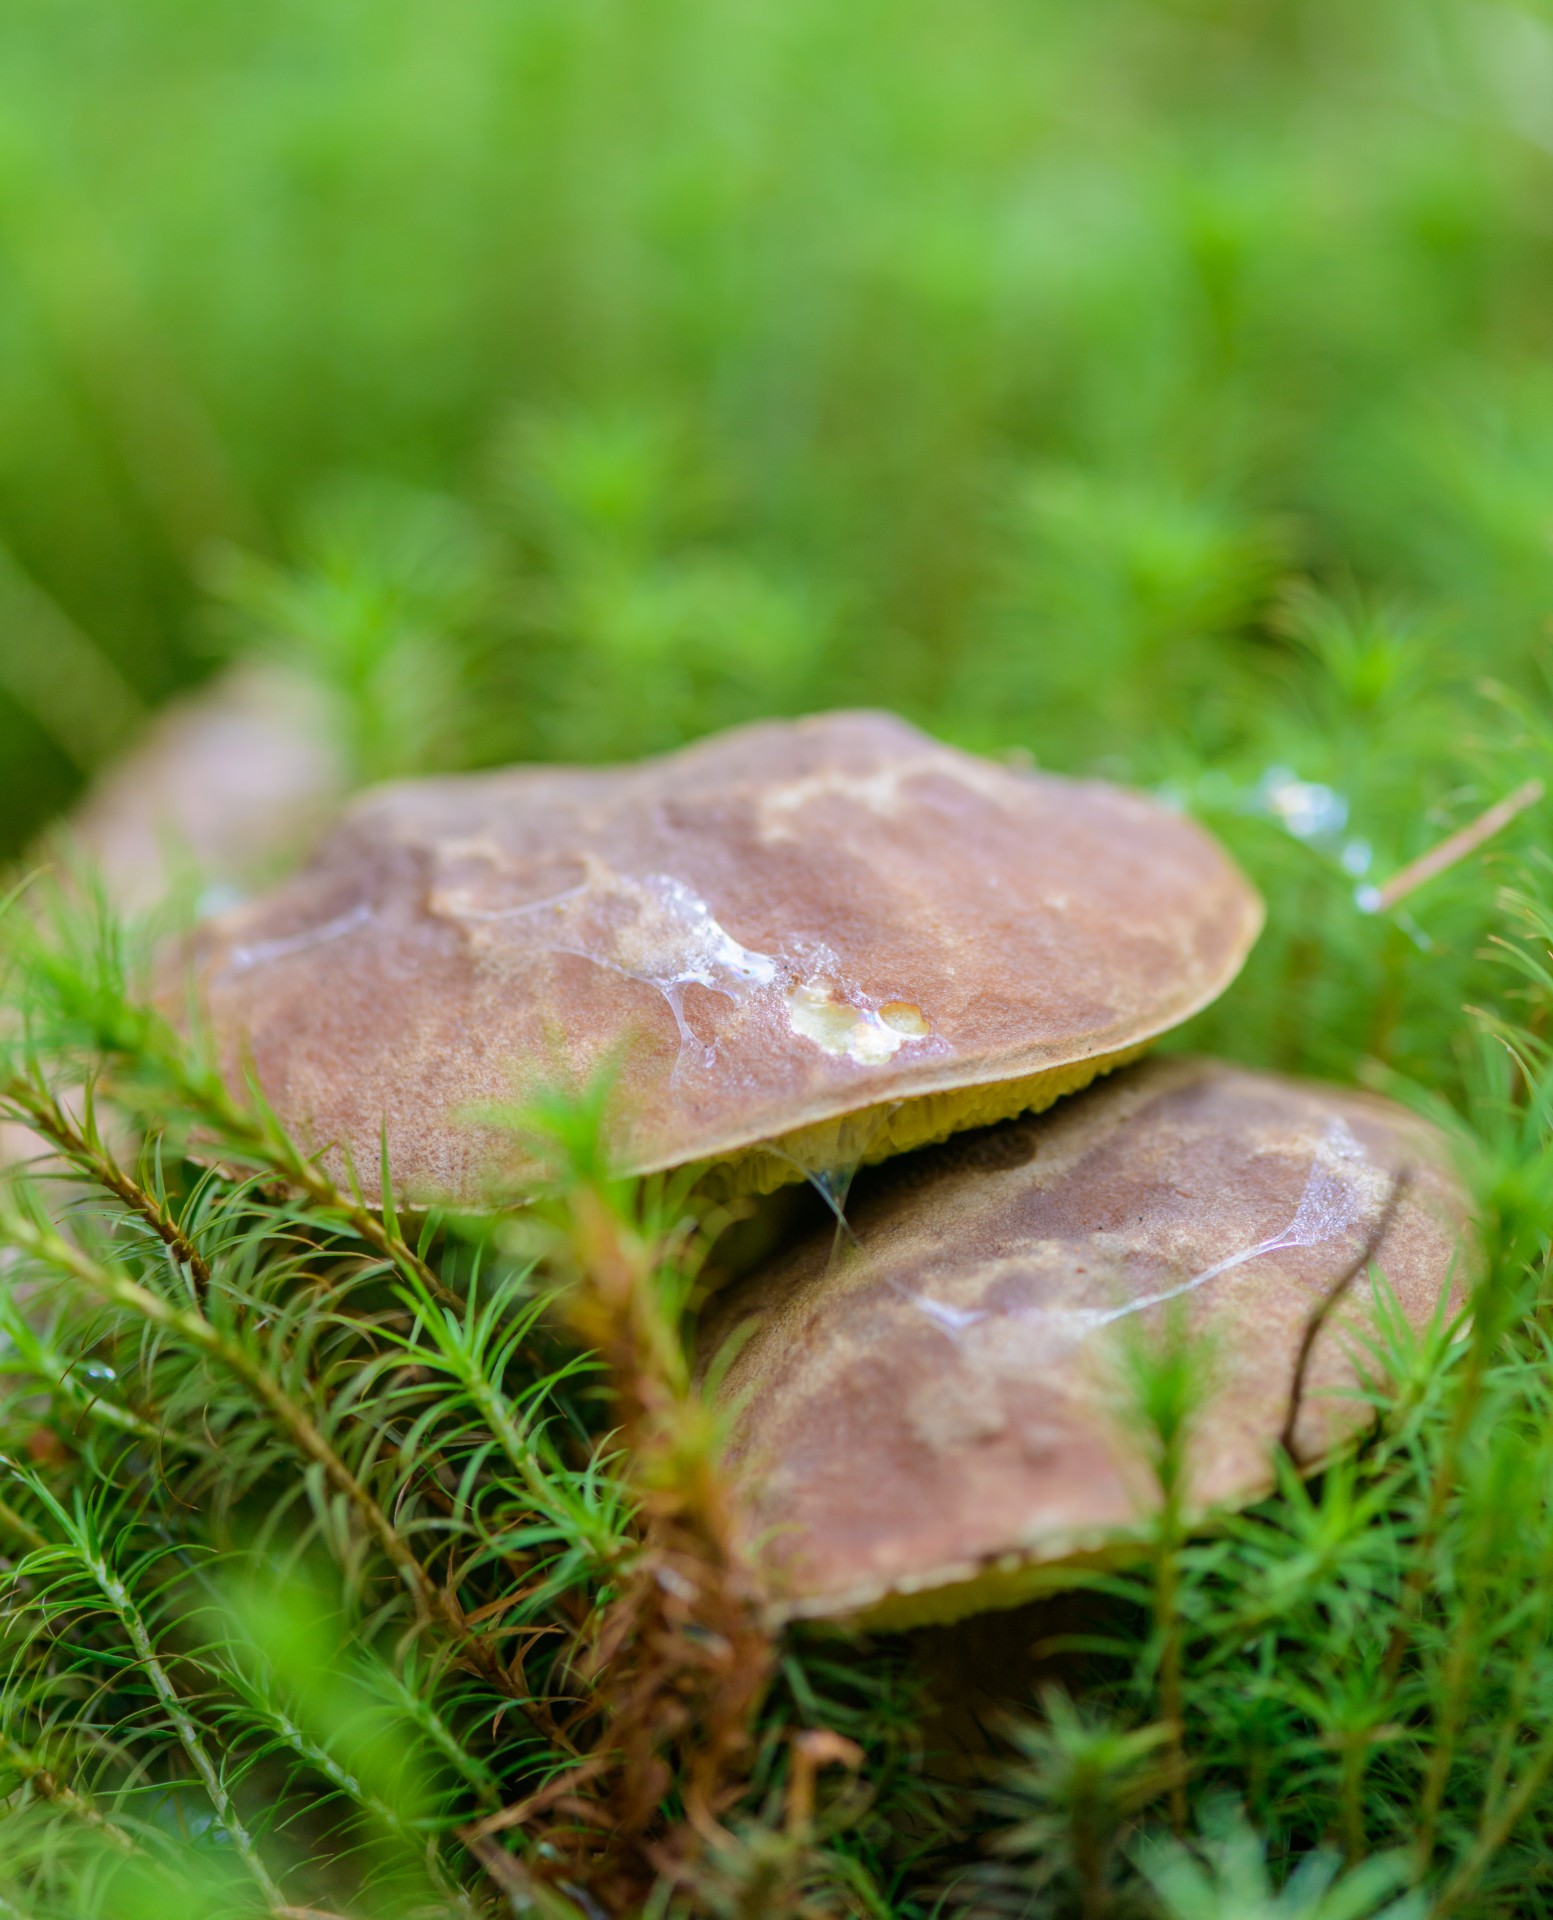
(815, 941)
(926, 1422)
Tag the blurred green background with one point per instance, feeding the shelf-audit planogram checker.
(567, 377)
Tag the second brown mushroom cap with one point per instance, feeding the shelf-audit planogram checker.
(931, 1417)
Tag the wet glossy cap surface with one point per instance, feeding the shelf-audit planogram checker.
(938, 1408)
(778, 926)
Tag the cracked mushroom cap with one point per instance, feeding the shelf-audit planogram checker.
(807, 943)
(929, 1424)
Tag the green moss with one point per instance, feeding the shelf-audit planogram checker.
(1156, 387)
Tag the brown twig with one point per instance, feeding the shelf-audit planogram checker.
(1456, 847)
(814, 1748)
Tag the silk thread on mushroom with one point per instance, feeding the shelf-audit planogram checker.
(659, 931)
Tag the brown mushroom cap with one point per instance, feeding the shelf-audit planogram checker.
(224, 781)
(824, 940)
(929, 1422)
(221, 785)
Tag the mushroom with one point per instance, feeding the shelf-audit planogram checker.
(802, 944)
(223, 783)
(927, 1424)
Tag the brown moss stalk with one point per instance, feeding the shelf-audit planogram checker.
(681, 1658)
(43, 1111)
(45, 1784)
